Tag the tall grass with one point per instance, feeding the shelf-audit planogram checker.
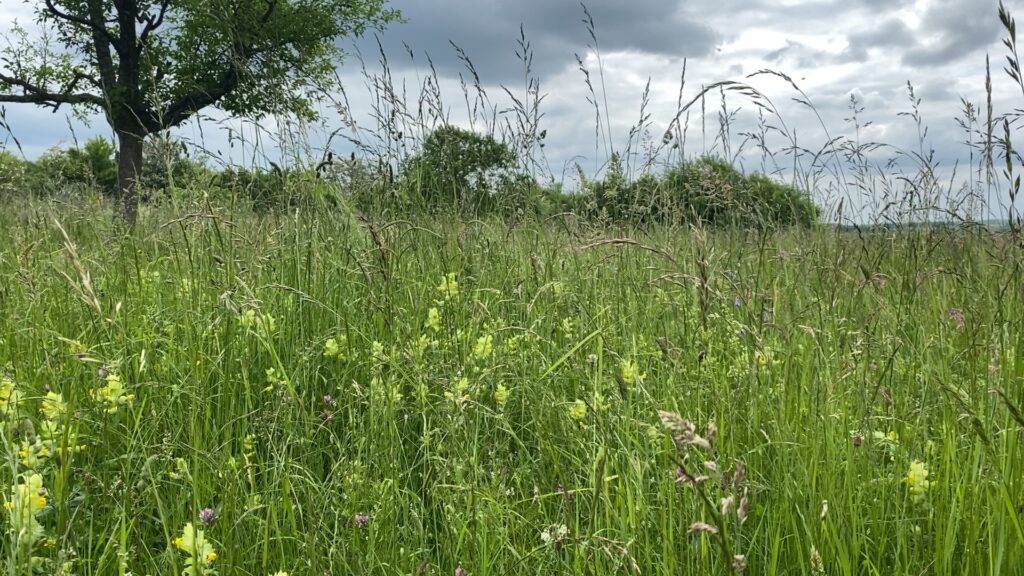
(829, 364)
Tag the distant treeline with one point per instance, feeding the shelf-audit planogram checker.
(453, 171)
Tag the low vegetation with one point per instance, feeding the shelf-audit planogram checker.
(331, 397)
(435, 359)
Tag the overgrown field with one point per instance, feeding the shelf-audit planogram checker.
(329, 396)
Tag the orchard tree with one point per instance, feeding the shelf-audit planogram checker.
(149, 65)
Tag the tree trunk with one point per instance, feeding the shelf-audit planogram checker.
(129, 173)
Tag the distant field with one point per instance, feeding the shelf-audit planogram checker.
(331, 397)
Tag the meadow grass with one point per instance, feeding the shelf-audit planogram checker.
(288, 374)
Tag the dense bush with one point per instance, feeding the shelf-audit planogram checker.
(76, 171)
(166, 168)
(12, 174)
(708, 189)
(274, 189)
(458, 169)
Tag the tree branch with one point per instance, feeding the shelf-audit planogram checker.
(102, 41)
(271, 5)
(52, 100)
(77, 77)
(181, 109)
(90, 23)
(25, 85)
(152, 23)
(34, 94)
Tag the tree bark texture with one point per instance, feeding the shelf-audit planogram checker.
(129, 172)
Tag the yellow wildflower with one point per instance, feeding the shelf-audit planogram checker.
(422, 343)
(53, 406)
(194, 544)
(335, 347)
(483, 347)
(448, 288)
(917, 480)
(630, 373)
(578, 410)
(567, 327)
(10, 399)
(500, 396)
(27, 499)
(274, 379)
(113, 395)
(33, 455)
(433, 320)
(458, 392)
(264, 322)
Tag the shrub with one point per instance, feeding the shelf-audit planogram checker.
(12, 175)
(457, 169)
(74, 171)
(275, 189)
(368, 186)
(707, 189)
(166, 168)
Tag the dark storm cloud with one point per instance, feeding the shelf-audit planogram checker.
(488, 30)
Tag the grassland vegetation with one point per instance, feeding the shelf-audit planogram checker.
(428, 359)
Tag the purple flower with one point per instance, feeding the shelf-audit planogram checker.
(328, 399)
(460, 571)
(957, 316)
(361, 520)
(736, 302)
(207, 515)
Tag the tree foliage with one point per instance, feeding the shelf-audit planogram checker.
(459, 169)
(149, 65)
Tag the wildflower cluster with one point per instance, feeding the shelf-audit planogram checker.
(336, 348)
(917, 481)
(26, 501)
(554, 535)
(10, 399)
(261, 322)
(433, 321)
(113, 394)
(199, 552)
(37, 436)
(275, 379)
(449, 287)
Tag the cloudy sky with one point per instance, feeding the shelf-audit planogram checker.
(831, 49)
